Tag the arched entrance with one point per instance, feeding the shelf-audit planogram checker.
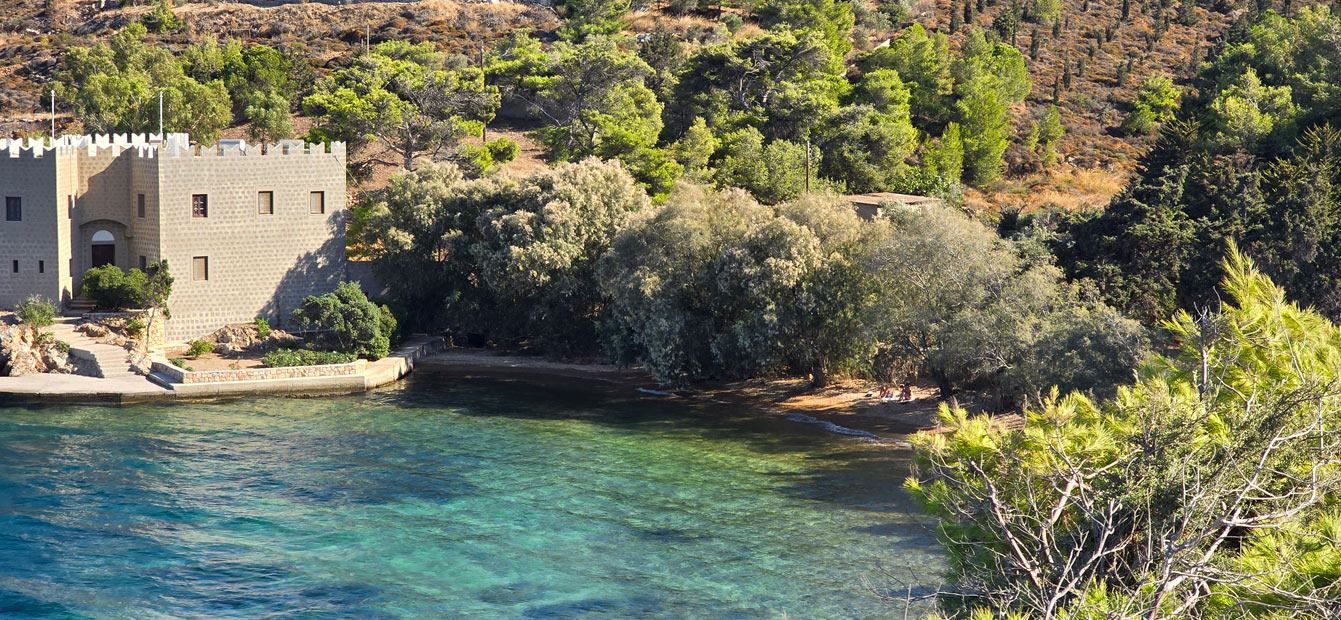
(104, 249)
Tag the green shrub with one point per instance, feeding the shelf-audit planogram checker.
(134, 328)
(199, 348)
(346, 321)
(36, 312)
(180, 362)
(262, 329)
(161, 19)
(112, 289)
(304, 357)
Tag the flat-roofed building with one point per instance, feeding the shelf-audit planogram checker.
(248, 231)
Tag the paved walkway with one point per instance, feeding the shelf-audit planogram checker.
(122, 387)
(108, 361)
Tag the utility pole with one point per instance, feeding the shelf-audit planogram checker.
(53, 116)
(367, 38)
(160, 116)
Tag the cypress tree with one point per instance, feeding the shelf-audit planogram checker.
(1126, 9)
(957, 19)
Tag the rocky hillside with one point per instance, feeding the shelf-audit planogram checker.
(1106, 53)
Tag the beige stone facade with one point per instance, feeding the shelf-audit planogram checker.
(248, 230)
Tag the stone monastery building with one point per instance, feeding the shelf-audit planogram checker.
(248, 230)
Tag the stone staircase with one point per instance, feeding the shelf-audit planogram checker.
(79, 306)
(104, 360)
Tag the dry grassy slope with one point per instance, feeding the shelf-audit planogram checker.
(1096, 159)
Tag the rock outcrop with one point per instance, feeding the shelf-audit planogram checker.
(23, 354)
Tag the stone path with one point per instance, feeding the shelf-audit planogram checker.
(107, 361)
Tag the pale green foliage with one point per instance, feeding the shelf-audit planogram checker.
(922, 60)
(1246, 111)
(946, 156)
(345, 321)
(864, 150)
(411, 98)
(481, 159)
(1156, 102)
(714, 284)
(593, 100)
(1049, 131)
(587, 18)
(989, 78)
(961, 303)
(1047, 10)
(114, 87)
(269, 118)
(773, 172)
(508, 258)
(832, 20)
(987, 132)
(695, 149)
(1205, 490)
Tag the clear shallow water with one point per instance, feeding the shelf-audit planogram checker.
(446, 499)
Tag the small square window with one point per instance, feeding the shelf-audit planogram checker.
(41, 266)
(139, 205)
(144, 263)
(265, 203)
(316, 203)
(200, 268)
(200, 205)
(13, 209)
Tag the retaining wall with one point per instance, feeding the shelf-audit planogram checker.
(177, 375)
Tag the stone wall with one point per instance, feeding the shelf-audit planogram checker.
(32, 179)
(260, 265)
(177, 375)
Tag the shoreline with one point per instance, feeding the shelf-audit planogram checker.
(841, 408)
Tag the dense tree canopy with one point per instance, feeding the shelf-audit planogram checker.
(115, 86)
(410, 98)
(1253, 158)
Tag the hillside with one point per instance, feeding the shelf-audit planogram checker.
(1092, 42)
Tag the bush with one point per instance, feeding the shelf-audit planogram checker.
(161, 19)
(199, 348)
(134, 328)
(36, 312)
(304, 357)
(346, 321)
(180, 362)
(113, 289)
(262, 329)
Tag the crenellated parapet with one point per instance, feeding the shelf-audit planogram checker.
(154, 145)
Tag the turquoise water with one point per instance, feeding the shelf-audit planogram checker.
(447, 498)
